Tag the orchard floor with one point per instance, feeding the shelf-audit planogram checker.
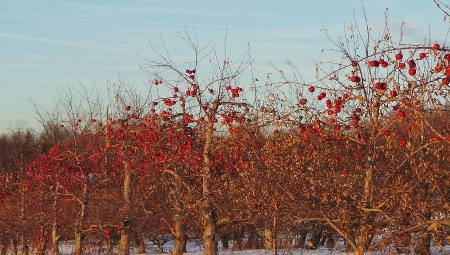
(66, 248)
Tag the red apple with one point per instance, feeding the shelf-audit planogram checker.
(355, 78)
(374, 63)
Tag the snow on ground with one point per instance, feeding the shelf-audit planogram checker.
(66, 248)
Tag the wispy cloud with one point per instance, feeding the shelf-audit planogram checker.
(292, 29)
(67, 43)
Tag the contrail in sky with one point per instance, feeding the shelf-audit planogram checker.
(161, 23)
(66, 43)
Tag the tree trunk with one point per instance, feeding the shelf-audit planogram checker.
(55, 236)
(180, 236)
(2, 249)
(78, 249)
(364, 230)
(209, 213)
(424, 244)
(362, 241)
(365, 235)
(140, 244)
(238, 238)
(42, 247)
(268, 239)
(109, 246)
(301, 239)
(55, 239)
(161, 247)
(124, 244)
(25, 250)
(225, 240)
(329, 242)
(359, 250)
(178, 230)
(209, 229)
(81, 219)
(274, 245)
(24, 246)
(252, 239)
(13, 246)
(274, 234)
(316, 235)
(237, 244)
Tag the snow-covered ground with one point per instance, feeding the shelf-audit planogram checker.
(66, 248)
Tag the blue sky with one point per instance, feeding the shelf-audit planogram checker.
(46, 44)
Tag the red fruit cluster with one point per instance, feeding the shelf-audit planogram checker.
(356, 118)
(412, 64)
(377, 63)
(335, 105)
(169, 102)
(191, 92)
(321, 96)
(402, 142)
(381, 85)
(191, 73)
(234, 91)
(412, 67)
(355, 78)
(302, 101)
(374, 63)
